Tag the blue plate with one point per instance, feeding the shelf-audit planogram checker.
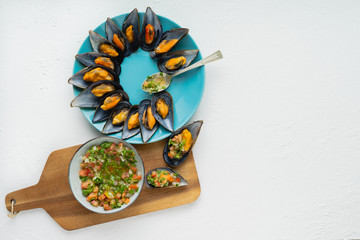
(186, 89)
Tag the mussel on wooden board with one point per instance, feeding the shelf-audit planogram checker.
(168, 40)
(180, 143)
(90, 97)
(92, 74)
(117, 37)
(164, 177)
(107, 104)
(97, 58)
(132, 123)
(151, 31)
(131, 29)
(148, 123)
(172, 62)
(116, 121)
(101, 44)
(163, 109)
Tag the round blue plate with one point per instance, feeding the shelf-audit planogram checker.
(186, 89)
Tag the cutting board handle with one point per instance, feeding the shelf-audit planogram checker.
(26, 198)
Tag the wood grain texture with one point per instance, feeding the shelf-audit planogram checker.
(53, 193)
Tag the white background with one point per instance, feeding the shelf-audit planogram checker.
(278, 156)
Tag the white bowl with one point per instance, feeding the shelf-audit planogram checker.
(75, 182)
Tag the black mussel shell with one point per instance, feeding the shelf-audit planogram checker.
(194, 129)
(168, 121)
(132, 132)
(88, 59)
(111, 28)
(190, 55)
(150, 18)
(100, 114)
(96, 40)
(78, 78)
(87, 99)
(109, 127)
(182, 182)
(172, 34)
(146, 133)
(133, 19)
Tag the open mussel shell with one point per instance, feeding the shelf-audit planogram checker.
(189, 55)
(90, 97)
(131, 29)
(112, 29)
(168, 40)
(78, 78)
(146, 133)
(128, 133)
(182, 182)
(97, 58)
(167, 121)
(109, 127)
(100, 114)
(98, 42)
(151, 31)
(194, 129)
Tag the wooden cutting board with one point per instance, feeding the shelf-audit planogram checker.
(53, 193)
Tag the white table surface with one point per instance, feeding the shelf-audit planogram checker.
(278, 156)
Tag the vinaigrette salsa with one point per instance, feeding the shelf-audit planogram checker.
(109, 176)
(163, 178)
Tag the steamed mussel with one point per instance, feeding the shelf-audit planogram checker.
(90, 97)
(131, 29)
(148, 123)
(172, 62)
(168, 40)
(117, 37)
(92, 74)
(164, 177)
(180, 143)
(151, 31)
(132, 123)
(163, 110)
(107, 104)
(97, 58)
(101, 44)
(116, 121)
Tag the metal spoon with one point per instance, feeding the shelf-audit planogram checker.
(215, 56)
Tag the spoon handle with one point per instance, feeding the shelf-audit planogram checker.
(213, 57)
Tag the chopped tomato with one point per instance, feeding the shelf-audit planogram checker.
(102, 197)
(133, 186)
(95, 203)
(91, 196)
(84, 185)
(84, 172)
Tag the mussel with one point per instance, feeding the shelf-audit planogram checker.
(151, 31)
(172, 62)
(90, 97)
(148, 123)
(164, 177)
(117, 37)
(168, 40)
(101, 44)
(91, 74)
(163, 110)
(97, 58)
(131, 29)
(132, 123)
(116, 121)
(108, 103)
(180, 143)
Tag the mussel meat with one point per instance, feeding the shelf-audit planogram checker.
(115, 122)
(180, 143)
(164, 177)
(97, 58)
(132, 123)
(107, 103)
(131, 29)
(91, 96)
(148, 123)
(162, 108)
(172, 62)
(151, 31)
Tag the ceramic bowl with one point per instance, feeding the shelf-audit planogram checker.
(75, 182)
